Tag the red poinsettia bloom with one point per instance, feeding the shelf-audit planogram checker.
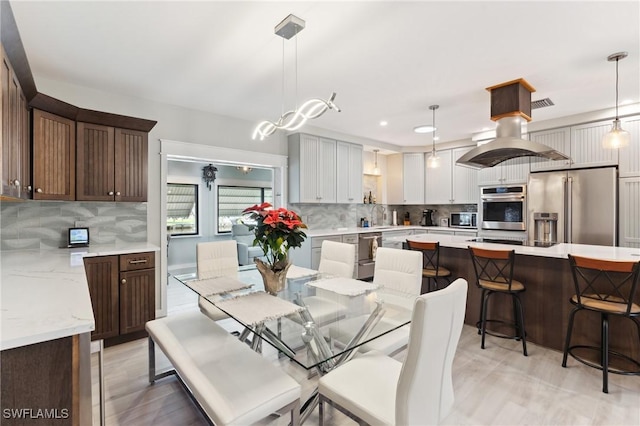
(276, 230)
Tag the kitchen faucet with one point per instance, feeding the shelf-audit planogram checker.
(373, 213)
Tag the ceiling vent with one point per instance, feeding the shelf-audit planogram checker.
(541, 103)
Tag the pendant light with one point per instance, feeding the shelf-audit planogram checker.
(312, 108)
(617, 136)
(376, 169)
(433, 161)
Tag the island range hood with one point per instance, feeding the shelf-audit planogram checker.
(510, 105)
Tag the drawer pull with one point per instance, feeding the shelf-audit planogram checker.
(137, 262)
(124, 281)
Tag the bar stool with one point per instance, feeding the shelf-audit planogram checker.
(431, 269)
(494, 274)
(607, 287)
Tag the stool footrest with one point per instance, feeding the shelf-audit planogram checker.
(598, 366)
(500, 335)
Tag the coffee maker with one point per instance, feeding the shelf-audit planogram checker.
(427, 218)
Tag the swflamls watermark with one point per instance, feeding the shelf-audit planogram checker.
(35, 413)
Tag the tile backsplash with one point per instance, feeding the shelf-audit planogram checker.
(44, 224)
(331, 216)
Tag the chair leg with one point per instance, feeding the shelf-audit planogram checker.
(567, 340)
(483, 321)
(481, 309)
(321, 411)
(520, 325)
(605, 353)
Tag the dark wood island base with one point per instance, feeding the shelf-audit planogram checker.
(549, 286)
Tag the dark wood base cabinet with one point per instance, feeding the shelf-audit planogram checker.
(122, 290)
(47, 383)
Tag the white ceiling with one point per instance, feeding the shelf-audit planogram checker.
(387, 60)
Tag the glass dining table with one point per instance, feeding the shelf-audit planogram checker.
(318, 321)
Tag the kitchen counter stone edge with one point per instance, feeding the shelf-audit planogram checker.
(44, 293)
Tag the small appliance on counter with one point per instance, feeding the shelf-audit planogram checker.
(407, 220)
(463, 220)
(427, 218)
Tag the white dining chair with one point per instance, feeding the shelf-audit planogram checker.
(416, 392)
(398, 270)
(215, 259)
(336, 259)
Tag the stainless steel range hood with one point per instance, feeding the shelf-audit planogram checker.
(510, 105)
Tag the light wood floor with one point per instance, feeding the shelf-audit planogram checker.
(495, 386)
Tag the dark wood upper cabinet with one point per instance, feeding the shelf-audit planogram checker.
(95, 163)
(54, 148)
(131, 165)
(111, 164)
(16, 149)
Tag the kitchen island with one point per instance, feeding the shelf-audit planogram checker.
(546, 274)
(45, 331)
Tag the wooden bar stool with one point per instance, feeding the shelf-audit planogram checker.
(431, 269)
(494, 274)
(607, 287)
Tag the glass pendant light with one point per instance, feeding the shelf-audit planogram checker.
(433, 161)
(617, 136)
(376, 169)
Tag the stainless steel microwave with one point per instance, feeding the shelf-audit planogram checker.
(463, 220)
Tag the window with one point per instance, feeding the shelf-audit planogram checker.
(233, 199)
(182, 209)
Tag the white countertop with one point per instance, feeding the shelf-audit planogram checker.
(558, 251)
(385, 228)
(44, 293)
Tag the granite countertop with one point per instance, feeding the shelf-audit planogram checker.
(45, 294)
(557, 251)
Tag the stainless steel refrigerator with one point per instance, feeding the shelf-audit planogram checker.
(586, 202)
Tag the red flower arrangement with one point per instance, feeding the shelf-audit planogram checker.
(277, 231)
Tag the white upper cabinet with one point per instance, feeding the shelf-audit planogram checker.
(582, 143)
(405, 178)
(450, 183)
(629, 227)
(558, 139)
(312, 169)
(630, 155)
(438, 185)
(348, 173)
(508, 172)
(586, 146)
(413, 178)
(465, 180)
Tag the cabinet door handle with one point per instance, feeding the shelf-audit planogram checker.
(123, 281)
(16, 182)
(136, 262)
(110, 193)
(39, 190)
(118, 193)
(28, 187)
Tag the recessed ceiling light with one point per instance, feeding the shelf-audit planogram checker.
(626, 102)
(427, 128)
(484, 129)
(436, 138)
(383, 123)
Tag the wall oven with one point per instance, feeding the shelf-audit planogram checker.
(504, 207)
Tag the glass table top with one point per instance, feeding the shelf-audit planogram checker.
(317, 320)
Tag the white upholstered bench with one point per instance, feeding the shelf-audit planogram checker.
(232, 384)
